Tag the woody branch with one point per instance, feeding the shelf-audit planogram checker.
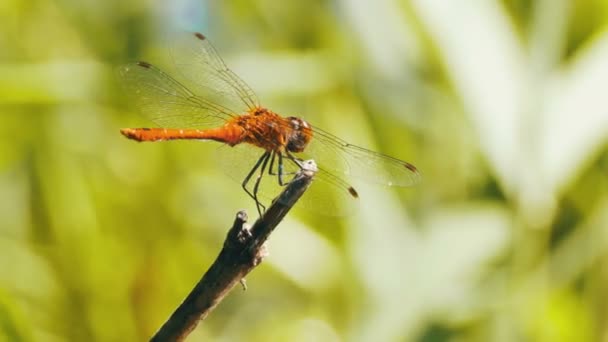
(243, 250)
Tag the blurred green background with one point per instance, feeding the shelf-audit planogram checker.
(502, 105)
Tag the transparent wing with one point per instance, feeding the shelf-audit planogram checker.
(328, 195)
(166, 102)
(340, 157)
(198, 61)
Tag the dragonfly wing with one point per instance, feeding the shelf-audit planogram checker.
(166, 102)
(198, 61)
(338, 156)
(332, 194)
(328, 195)
(239, 160)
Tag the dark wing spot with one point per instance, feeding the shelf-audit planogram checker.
(353, 192)
(410, 167)
(144, 64)
(146, 129)
(199, 36)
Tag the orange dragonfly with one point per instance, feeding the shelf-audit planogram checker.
(223, 108)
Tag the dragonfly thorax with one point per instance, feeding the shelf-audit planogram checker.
(299, 134)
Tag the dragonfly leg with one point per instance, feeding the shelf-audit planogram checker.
(260, 206)
(271, 167)
(295, 159)
(280, 169)
(263, 160)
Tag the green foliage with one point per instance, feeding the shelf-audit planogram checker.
(501, 105)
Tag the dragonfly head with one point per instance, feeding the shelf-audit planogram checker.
(299, 134)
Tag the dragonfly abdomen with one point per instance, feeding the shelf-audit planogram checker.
(231, 135)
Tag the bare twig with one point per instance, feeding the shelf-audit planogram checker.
(243, 250)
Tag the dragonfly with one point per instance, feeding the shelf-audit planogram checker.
(217, 105)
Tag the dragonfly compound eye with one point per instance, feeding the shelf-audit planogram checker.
(299, 135)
